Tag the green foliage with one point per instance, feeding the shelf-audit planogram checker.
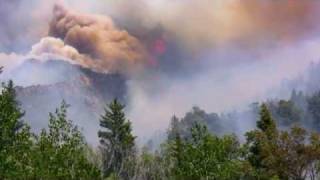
(205, 156)
(268, 153)
(175, 128)
(213, 121)
(152, 166)
(266, 123)
(62, 151)
(261, 142)
(117, 142)
(314, 108)
(15, 137)
(281, 154)
(288, 113)
(190, 152)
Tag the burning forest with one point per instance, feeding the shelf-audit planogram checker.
(161, 89)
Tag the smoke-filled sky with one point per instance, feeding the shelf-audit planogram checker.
(218, 54)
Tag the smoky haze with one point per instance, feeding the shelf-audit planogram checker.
(219, 55)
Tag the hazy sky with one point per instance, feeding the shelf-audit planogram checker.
(218, 54)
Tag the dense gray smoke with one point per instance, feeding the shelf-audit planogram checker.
(23, 23)
(219, 55)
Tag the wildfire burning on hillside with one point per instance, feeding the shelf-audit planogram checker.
(170, 54)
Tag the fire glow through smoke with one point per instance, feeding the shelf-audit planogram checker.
(175, 54)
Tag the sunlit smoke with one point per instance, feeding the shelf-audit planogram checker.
(218, 54)
(108, 48)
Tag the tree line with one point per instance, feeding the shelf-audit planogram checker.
(60, 151)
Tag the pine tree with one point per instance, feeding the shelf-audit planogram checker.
(314, 109)
(261, 142)
(266, 123)
(177, 151)
(174, 129)
(117, 141)
(15, 136)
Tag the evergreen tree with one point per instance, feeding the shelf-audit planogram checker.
(174, 129)
(314, 109)
(288, 113)
(15, 136)
(266, 123)
(261, 142)
(117, 141)
(177, 152)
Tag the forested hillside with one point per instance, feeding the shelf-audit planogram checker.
(196, 146)
(159, 90)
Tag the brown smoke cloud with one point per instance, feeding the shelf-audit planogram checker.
(284, 20)
(203, 23)
(103, 46)
(178, 35)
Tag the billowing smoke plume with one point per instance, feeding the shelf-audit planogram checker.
(104, 47)
(47, 49)
(92, 41)
(202, 23)
(218, 54)
(51, 48)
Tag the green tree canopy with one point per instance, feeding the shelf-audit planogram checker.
(62, 151)
(117, 141)
(15, 136)
(205, 156)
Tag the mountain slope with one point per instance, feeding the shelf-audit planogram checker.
(46, 84)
